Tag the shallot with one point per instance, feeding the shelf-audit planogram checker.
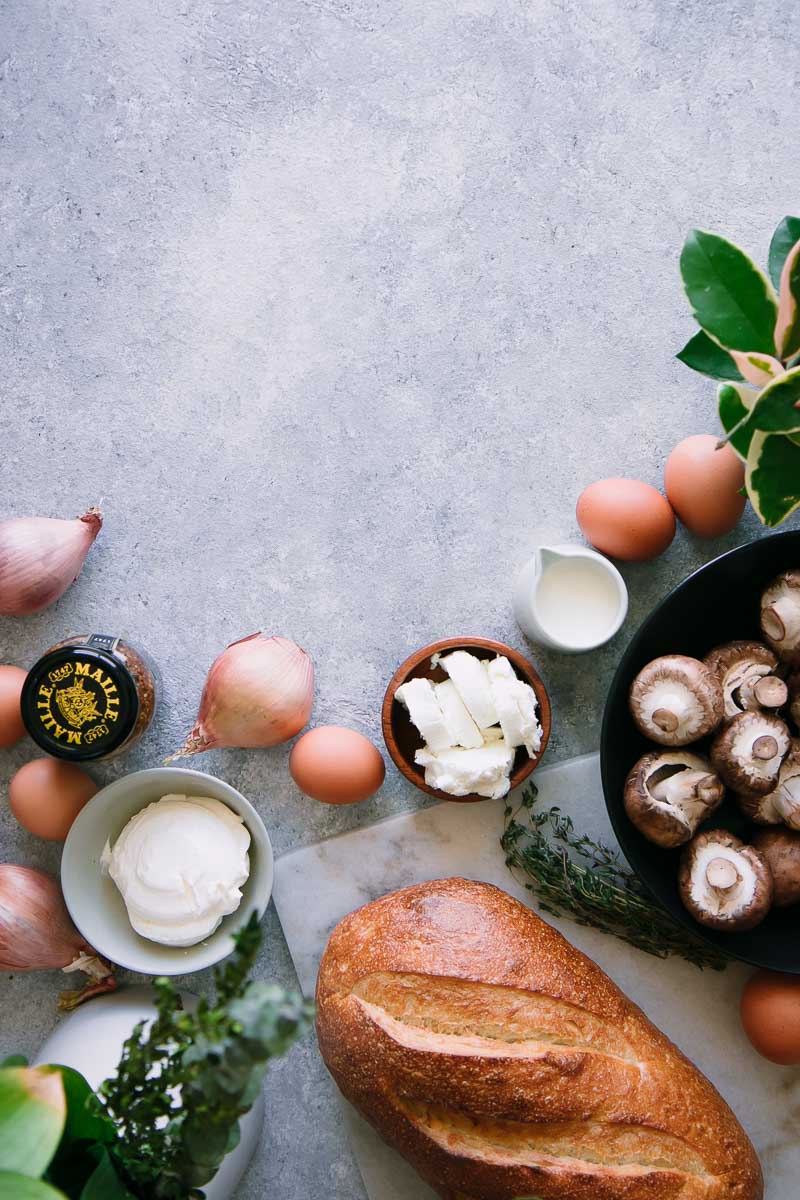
(258, 692)
(40, 557)
(36, 933)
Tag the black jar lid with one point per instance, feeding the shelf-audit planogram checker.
(80, 702)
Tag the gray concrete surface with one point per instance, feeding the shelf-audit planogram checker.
(337, 305)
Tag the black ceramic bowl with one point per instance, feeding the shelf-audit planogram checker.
(716, 604)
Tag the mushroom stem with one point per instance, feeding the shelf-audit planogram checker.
(707, 788)
(765, 747)
(772, 624)
(721, 874)
(666, 720)
(771, 692)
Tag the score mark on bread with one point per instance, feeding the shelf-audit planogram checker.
(501, 1062)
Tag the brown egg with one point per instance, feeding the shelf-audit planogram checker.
(770, 1011)
(46, 796)
(11, 727)
(336, 765)
(702, 485)
(626, 519)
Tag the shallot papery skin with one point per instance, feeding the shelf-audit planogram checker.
(36, 933)
(258, 692)
(40, 557)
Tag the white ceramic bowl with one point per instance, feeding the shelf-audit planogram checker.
(95, 904)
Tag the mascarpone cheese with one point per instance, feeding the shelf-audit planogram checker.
(180, 865)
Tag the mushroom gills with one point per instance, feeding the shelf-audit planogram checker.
(673, 707)
(675, 700)
(737, 890)
(764, 748)
(724, 883)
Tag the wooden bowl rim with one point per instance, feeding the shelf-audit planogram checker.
(412, 772)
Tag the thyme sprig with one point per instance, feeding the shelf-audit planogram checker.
(181, 1086)
(572, 875)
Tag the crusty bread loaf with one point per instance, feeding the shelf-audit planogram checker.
(503, 1063)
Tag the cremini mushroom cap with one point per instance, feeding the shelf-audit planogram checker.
(746, 672)
(780, 616)
(781, 850)
(747, 754)
(669, 792)
(675, 700)
(781, 806)
(724, 883)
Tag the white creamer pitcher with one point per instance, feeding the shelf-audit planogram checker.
(570, 598)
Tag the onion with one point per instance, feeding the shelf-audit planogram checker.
(36, 933)
(40, 557)
(258, 692)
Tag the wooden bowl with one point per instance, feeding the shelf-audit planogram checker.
(403, 739)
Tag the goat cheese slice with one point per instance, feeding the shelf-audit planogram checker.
(463, 730)
(515, 702)
(460, 772)
(425, 712)
(471, 680)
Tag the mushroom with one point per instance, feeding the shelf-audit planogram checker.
(749, 751)
(669, 792)
(794, 697)
(780, 616)
(746, 671)
(675, 700)
(781, 849)
(781, 806)
(724, 883)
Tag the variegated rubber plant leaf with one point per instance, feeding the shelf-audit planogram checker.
(732, 299)
(33, 1111)
(734, 402)
(14, 1186)
(772, 477)
(755, 368)
(777, 406)
(784, 237)
(703, 354)
(787, 326)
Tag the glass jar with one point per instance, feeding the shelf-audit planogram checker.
(89, 697)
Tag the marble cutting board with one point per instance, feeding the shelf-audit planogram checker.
(317, 885)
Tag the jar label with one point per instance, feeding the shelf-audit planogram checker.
(78, 702)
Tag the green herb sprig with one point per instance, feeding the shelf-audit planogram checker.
(214, 1060)
(572, 875)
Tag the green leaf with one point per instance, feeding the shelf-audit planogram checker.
(734, 403)
(104, 1183)
(33, 1109)
(730, 297)
(772, 477)
(85, 1120)
(14, 1060)
(702, 354)
(777, 406)
(784, 237)
(787, 326)
(22, 1187)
